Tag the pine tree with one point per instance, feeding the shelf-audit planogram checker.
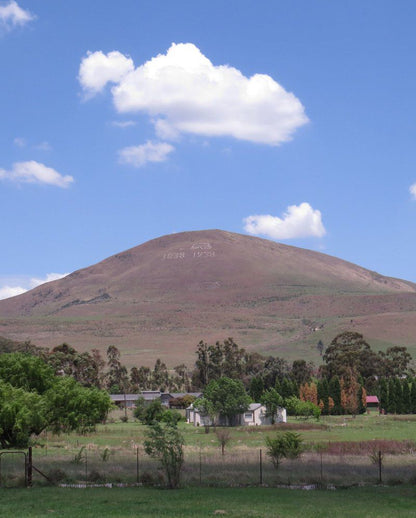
(406, 403)
(335, 394)
(383, 395)
(398, 396)
(413, 397)
(392, 406)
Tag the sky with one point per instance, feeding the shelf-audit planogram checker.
(126, 121)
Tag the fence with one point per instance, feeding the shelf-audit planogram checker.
(205, 467)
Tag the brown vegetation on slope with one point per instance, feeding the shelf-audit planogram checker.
(162, 297)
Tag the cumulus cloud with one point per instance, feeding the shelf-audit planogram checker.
(138, 156)
(35, 172)
(184, 93)
(412, 190)
(298, 222)
(7, 290)
(98, 69)
(11, 15)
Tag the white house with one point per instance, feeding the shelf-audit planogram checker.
(255, 415)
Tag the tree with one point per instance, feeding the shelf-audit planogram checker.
(164, 442)
(302, 371)
(256, 388)
(349, 352)
(395, 362)
(226, 398)
(22, 414)
(224, 437)
(288, 445)
(272, 400)
(335, 394)
(33, 399)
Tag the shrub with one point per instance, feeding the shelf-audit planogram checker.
(288, 445)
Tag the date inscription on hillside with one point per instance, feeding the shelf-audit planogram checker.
(197, 250)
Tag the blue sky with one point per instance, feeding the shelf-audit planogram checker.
(125, 121)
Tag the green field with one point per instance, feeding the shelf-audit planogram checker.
(203, 502)
(338, 456)
(339, 451)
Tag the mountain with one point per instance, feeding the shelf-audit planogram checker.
(161, 298)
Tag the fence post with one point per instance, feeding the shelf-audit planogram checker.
(200, 465)
(86, 468)
(137, 465)
(29, 468)
(379, 466)
(261, 468)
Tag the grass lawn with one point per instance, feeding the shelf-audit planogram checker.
(237, 502)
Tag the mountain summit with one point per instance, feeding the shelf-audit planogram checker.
(160, 298)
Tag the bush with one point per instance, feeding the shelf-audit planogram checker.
(288, 445)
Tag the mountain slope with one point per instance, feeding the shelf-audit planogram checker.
(162, 297)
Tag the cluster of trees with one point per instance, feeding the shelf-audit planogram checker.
(33, 399)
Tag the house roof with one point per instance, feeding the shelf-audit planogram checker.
(371, 399)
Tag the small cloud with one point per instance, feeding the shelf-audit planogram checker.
(412, 190)
(11, 291)
(7, 291)
(123, 124)
(19, 142)
(182, 92)
(34, 281)
(138, 156)
(299, 221)
(98, 69)
(43, 146)
(35, 172)
(11, 15)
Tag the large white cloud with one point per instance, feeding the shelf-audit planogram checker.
(138, 156)
(298, 222)
(412, 190)
(7, 290)
(35, 172)
(11, 15)
(183, 92)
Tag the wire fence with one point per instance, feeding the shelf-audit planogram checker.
(204, 467)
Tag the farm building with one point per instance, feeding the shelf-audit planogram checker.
(255, 415)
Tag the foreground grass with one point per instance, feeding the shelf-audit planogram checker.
(201, 502)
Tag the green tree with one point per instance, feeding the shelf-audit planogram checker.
(225, 397)
(406, 400)
(413, 397)
(288, 445)
(302, 372)
(256, 388)
(22, 414)
(272, 400)
(335, 394)
(164, 442)
(33, 399)
(384, 395)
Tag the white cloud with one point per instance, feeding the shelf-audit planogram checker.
(35, 172)
(98, 69)
(43, 146)
(19, 142)
(184, 93)
(7, 290)
(123, 124)
(138, 156)
(10, 291)
(412, 190)
(11, 15)
(35, 281)
(298, 222)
